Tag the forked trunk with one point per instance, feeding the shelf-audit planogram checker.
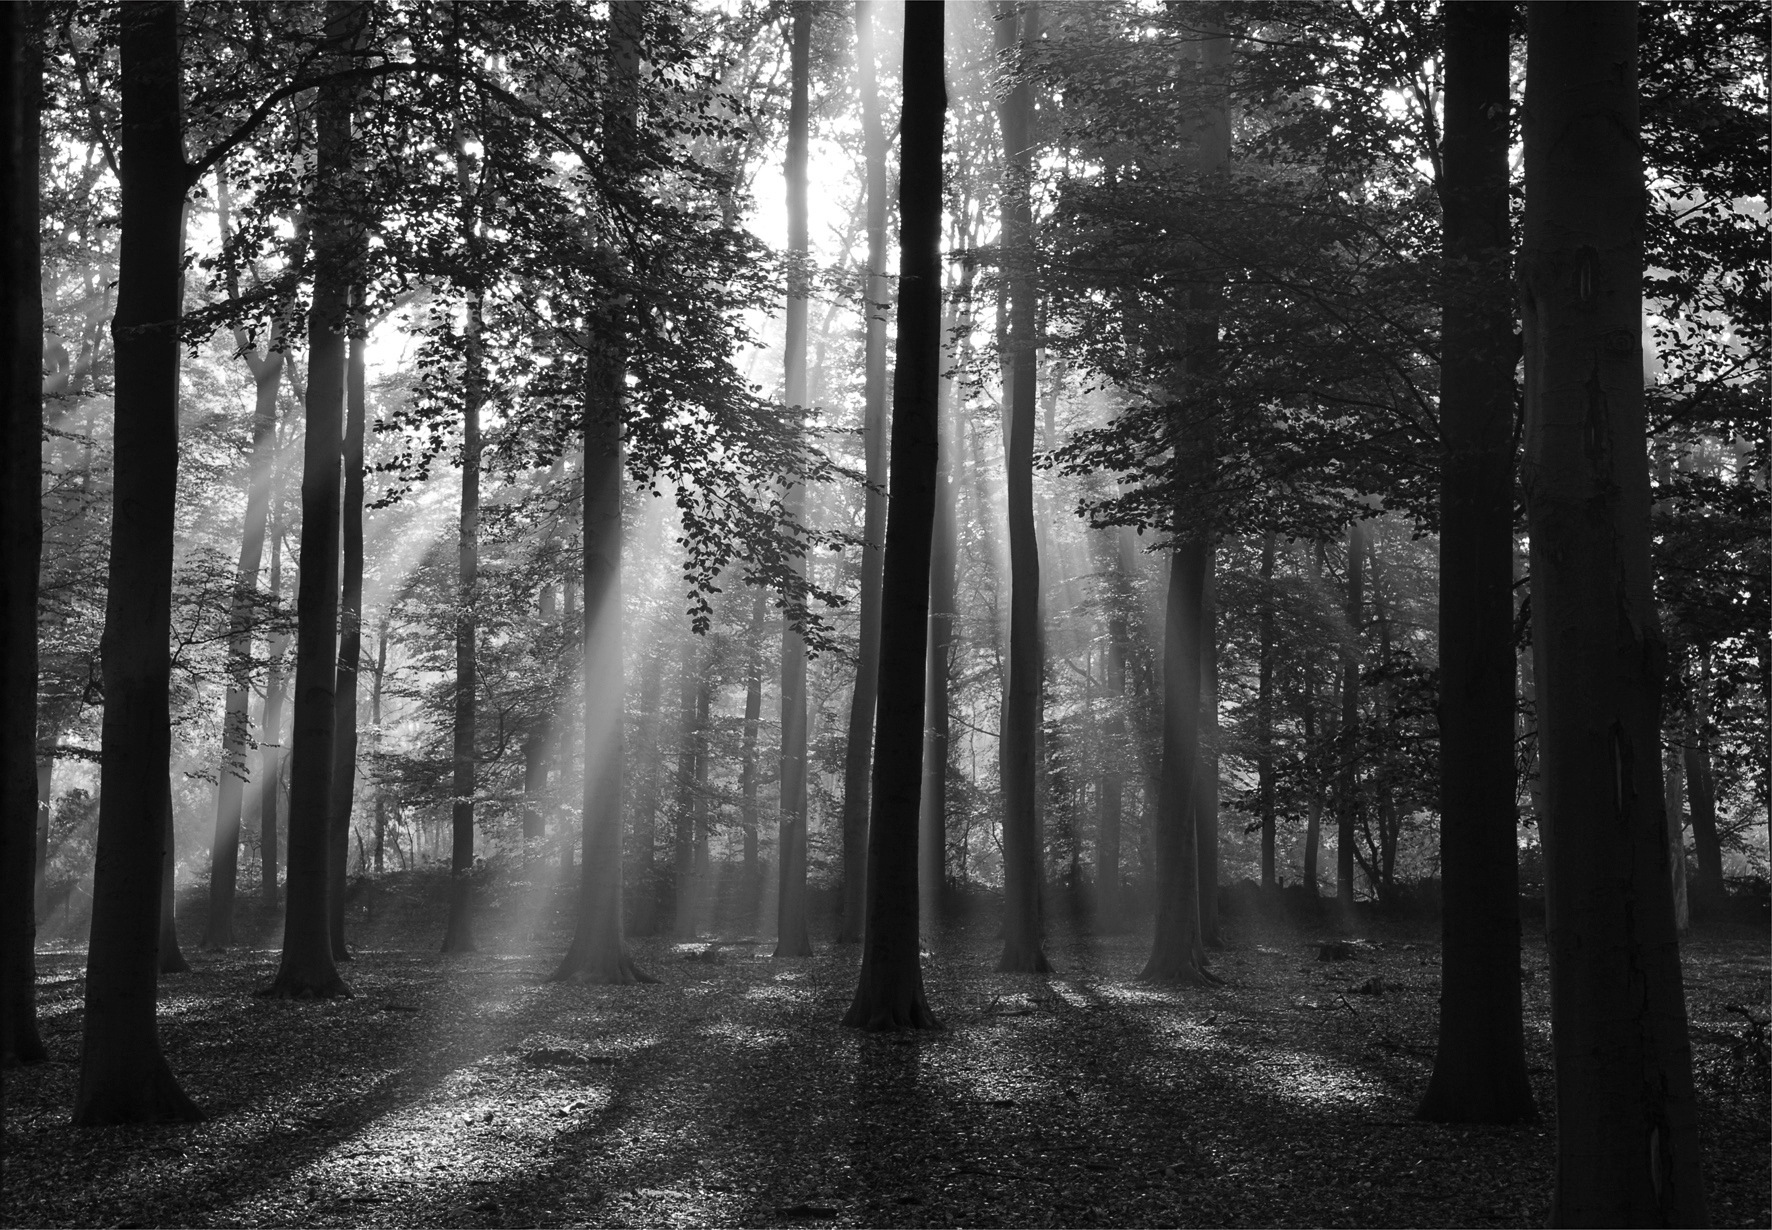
(1627, 1133)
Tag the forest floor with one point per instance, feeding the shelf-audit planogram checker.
(461, 1091)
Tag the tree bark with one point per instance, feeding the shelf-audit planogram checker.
(792, 936)
(598, 952)
(685, 889)
(1673, 783)
(171, 959)
(1627, 1138)
(350, 640)
(859, 748)
(1347, 777)
(753, 713)
(21, 374)
(271, 750)
(1206, 791)
(124, 1077)
(1479, 1071)
(932, 807)
(459, 935)
(1264, 713)
(307, 969)
(381, 673)
(889, 991)
(1021, 703)
(646, 793)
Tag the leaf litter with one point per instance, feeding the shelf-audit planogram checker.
(467, 1091)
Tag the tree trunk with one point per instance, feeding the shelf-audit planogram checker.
(878, 295)
(1701, 790)
(932, 807)
(1673, 784)
(889, 991)
(459, 936)
(171, 958)
(381, 671)
(1264, 713)
(1021, 704)
(21, 545)
(1627, 1137)
(1206, 791)
(40, 861)
(124, 1077)
(646, 792)
(1479, 1071)
(685, 890)
(598, 953)
(271, 718)
(307, 969)
(224, 855)
(1110, 789)
(792, 937)
(350, 640)
(1347, 778)
(753, 713)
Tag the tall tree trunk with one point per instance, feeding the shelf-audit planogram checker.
(459, 935)
(598, 952)
(350, 640)
(686, 890)
(271, 749)
(307, 968)
(171, 958)
(381, 672)
(266, 369)
(40, 869)
(932, 807)
(1206, 791)
(792, 937)
(861, 705)
(1347, 777)
(1313, 824)
(1479, 1071)
(1627, 1136)
(21, 545)
(1673, 784)
(1701, 790)
(1264, 713)
(124, 1077)
(753, 713)
(889, 990)
(646, 792)
(1110, 806)
(1021, 704)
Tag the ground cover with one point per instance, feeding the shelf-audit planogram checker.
(468, 1091)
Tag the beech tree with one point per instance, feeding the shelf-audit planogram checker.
(1627, 1139)
(889, 991)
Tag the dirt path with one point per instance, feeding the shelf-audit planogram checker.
(468, 1092)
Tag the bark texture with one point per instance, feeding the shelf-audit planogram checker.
(889, 991)
(1479, 1071)
(124, 1077)
(1627, 1139)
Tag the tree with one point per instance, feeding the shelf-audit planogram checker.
(350, 640)
(307, 969)
(598, 953)
(1627, 1141)
(889, 992)
(1264, 714)
(1347, 772)
(1022, 863)
(124, 1078)
(1479, 1071)
(21, 346)
(792, 939)
(876, 303)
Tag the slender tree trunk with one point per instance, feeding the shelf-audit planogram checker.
(1021, 704)
(1111, 786)
(889, 991)
(459, 936)
(381, 672)
(753, 713)
(1674, 786)
(40, 870)
(598, 953)
(171, 958)
(224, 855)
(686, 890)
(307, 968)
(932, 807)
(271, 719)
(1206, 792)
(1480, 1063)
(124, 1077)
(1347, 778)
(792, 936)
(1264, 713)
(646, 793)
(1313, 825)
(861, 706)
(1701, 790)
(1627, 1135)
(350, 640)
(23, 786)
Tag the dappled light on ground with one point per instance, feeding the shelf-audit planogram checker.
(469, 1091)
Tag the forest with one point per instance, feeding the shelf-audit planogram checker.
(884, 612)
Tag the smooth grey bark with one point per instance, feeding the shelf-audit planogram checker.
(1627, 1131)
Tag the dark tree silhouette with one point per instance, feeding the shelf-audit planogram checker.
(1627, 1133)
(889, 992)
(1480, 1063)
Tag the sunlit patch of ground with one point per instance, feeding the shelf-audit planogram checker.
(468, 1091)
